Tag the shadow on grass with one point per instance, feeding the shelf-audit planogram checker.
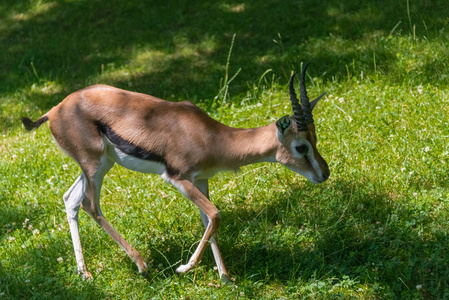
(32, 271)
(30, 279)
(34, 275)
(73, 42)
(364, 232)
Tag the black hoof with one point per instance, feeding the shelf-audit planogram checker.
(145, 274)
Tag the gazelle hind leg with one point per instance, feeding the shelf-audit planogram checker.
(91, 204)
(85, 145)
(72, 200)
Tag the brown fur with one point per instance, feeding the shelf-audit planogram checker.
(187, 139)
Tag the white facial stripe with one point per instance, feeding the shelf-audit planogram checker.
(297, 143)
(310, 155)
(315, 165)
(307, 174)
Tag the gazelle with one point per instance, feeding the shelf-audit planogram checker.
(102, 125)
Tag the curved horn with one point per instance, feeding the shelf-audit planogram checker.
(301, 123)
(305, 103)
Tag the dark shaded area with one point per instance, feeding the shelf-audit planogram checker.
(365, 234)
(71, 41)
(33, 274)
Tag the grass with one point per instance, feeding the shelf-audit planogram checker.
(378, 228)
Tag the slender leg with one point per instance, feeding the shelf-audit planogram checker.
(72, 200)
(80, 138)
(91, 205)
(189, 190)
(224, 276)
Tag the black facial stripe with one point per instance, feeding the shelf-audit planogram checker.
(308, 162)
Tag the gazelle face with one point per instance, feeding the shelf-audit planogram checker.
(297, 151)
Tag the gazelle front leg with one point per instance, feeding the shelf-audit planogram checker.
(224, 276)
(189, 190)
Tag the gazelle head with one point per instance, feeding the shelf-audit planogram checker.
(297, 150)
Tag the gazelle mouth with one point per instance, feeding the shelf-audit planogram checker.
(319, 180)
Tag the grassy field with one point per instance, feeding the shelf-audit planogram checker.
(377, 229)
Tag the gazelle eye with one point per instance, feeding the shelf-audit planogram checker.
(302, 149)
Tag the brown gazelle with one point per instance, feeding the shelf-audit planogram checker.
(102, 125)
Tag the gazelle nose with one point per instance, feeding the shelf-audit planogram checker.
(326, 172)
(324, 176)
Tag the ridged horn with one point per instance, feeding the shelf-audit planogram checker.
(307, 105)
(301, 123)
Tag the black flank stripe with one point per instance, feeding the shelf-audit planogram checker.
(135, 151)
(128, 147)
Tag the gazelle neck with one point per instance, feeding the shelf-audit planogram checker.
(241, 147)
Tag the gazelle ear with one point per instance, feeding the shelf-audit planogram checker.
(284, 124)
(314, 102)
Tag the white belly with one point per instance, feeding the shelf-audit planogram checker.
(131, 162)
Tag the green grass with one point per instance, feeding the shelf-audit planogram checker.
(377, 229)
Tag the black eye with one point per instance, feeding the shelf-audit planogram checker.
(302, 149)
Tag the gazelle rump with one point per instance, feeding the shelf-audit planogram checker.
(102, 125)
